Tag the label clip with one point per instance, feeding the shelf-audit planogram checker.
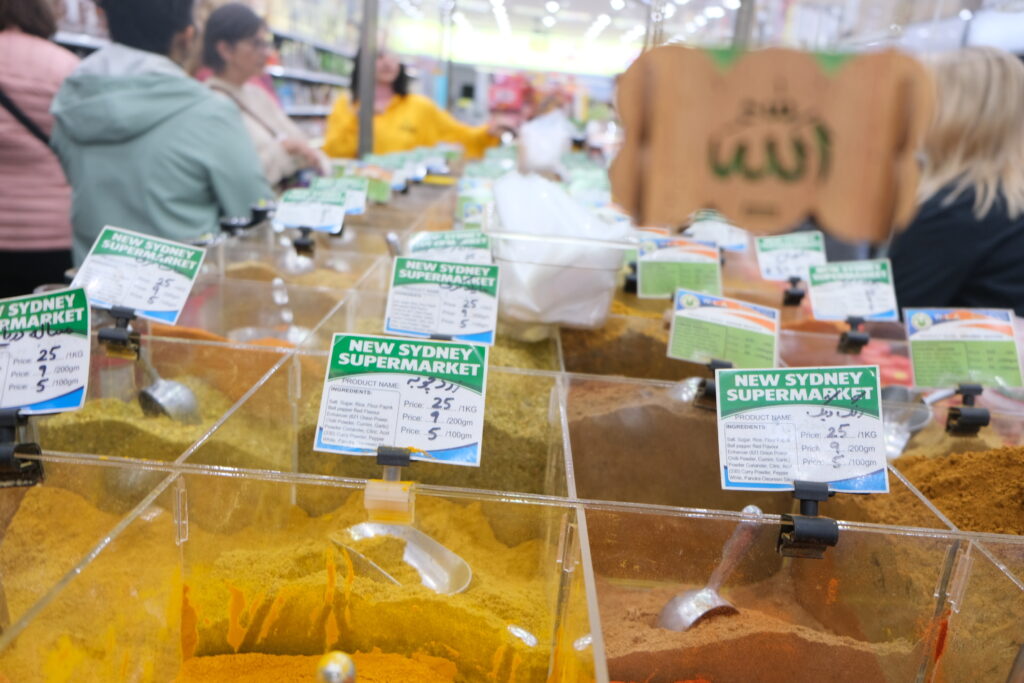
(15, 471)
(856, 338)
(967, 420)
(807, 535)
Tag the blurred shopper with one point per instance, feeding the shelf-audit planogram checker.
(966, 245)
(235, 46)
(144, 146)
(35, 200)
(401, 121)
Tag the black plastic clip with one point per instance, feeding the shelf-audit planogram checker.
(121, 340)
(393, 459)
(261, 212)
(856, 338)
(706, 390)
(794, 295)
(807, 535)
(15, 471)
(967, 419)
(440, 337)
(630, 284)
(304, 244)
(235, 225)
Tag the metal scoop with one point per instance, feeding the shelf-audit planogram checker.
(394, 244)
(440, 570)
(166, 397)
(689, 607)
(905, 415)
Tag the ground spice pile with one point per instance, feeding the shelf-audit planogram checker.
(977, 490)
(762, 643)
(371, 667)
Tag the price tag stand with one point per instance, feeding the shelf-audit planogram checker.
(304, 244)
(807, 535)
(706, 390)
(389, 499)
(968, 419)
(794, 295)
(856, 338)
(121, 340)
(15, 471)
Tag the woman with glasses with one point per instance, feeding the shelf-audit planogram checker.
(235, 47)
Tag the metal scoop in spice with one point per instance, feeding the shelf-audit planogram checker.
(906, 414)
(389, 502)
(166, 397)
(689, 607)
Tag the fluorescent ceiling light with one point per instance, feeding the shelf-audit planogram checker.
(714, 12)
(618, 4)
(548, 21)
(732, 4)
(552, 6)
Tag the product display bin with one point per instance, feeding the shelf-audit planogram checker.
(973, 479)
(275, 426)
(363, 313)
(885, 604)
(330, 265)
(48, 529)
(887, 348)
(112, 422)
(228, 574)
(648, 442)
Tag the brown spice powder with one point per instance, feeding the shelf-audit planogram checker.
(978, 490)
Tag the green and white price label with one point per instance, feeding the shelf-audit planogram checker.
(443, 299)
(809, 424)
(953, 345)
(712, 228)
(150, 275)
(320, 210)
(353, 188)
(471, 207)
(781, 257)
(426, 395)
(462, 246)
(667, 264)
(853, 288)
(44, 352)
(707, 328)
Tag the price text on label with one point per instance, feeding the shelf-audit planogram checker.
(781, 257)
(44, 352)
(707, 328)
(426, 395)
(853, 288)
(812, 424)
(665, 265)
(953, 345)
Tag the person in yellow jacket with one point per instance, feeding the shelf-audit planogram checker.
(401, 121)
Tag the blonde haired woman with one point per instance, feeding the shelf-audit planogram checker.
(966, 245)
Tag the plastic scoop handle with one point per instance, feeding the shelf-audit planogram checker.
(736, 547)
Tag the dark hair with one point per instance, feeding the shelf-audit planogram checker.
(231, 23)
(400, 86)
(148, 25)
(34, 17)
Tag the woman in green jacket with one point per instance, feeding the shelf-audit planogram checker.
(144, 146)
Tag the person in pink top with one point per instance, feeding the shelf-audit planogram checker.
(35, 200)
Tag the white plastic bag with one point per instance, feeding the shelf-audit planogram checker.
(557, 282)
(544, 141)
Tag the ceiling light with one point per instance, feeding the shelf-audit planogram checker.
(714, 12)
(669, 11)
(682, 2)
(731, 4)
(966, 14)
(497, 3)
(701, 21)
(603, 19)
(551, 6)
(618, 4)
(548, 21)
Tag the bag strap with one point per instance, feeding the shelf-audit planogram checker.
(263, 124)
(24, 120)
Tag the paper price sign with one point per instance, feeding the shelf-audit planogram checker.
(706, 328)
(812, 424)
(443, 299)
(665, 265)
(784, 256)
(44, 352)
(427, 395)
(711, 227)
(953, 345)
(354, 189)
(471, 207)
(150, 275)
(462, 246)
(853, 288)
(319, 210)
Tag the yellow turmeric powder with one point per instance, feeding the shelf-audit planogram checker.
(371, 667)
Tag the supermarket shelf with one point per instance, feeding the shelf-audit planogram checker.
(82, 41)
(318, 44)
(308, 110)
(308, 76)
